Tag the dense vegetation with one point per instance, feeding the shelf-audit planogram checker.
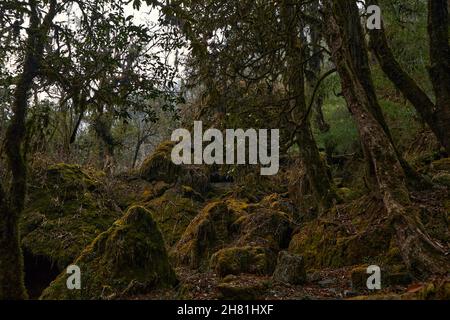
(91, 92)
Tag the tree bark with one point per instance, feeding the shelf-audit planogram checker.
(11, 262)
(437, 116)
(359, 53)
(318, 178)
(420, 253)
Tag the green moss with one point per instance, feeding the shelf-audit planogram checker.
(441, 165)
(328, 242)
(236, 290)
(159, 165)
(265, 227)
(442, 178)
(65, 212)
(128, 258)
(236, 260)
(209, 231)
(346, 194)
(173, 211)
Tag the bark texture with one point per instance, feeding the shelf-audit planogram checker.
(421, 254)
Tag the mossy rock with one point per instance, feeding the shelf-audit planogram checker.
(265, 227)
(67, 208)
(128, 258)
(207, 232)
(441, 165)
(346, 194)
(241, 290)
(442, 178)
(328, 242)
(438, 290)
(173, 211)
(290, 269)
(277, 202)
(237, 260)
(159, 165)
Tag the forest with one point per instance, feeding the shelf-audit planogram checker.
(224, 150)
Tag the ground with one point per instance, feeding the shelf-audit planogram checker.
(177, 234)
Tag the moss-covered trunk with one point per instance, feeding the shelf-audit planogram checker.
(11, 260)
(436, 115)
(318, 178)
(419, 252)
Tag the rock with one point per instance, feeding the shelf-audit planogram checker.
(129, 258)
(206, 232)
(349, 294)
(173, 211)
(359, 278)
(265, 227)
(236, 260)
(399, 279)
(345, 193)
(442, 178)
(328, 242)
(441, 165)
(65, 213)
(326, 282)
(290, 269)
(237, 290)
(159, 167)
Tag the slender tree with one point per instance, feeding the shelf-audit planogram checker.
(435, 114)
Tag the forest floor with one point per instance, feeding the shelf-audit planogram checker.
(208, 239)
(328, 284)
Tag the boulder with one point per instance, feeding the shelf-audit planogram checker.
(236, 260)
(129, 258)
(65, 213)
(237, 289)
(290, 269)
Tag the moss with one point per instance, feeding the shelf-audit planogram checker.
(159, 165)
(206, 233)
(173, 211)
(67, 210)
(236, 260)
(441, 165)
(346, 194)
(228, 223)
(442, 178)
(438, 290)
(236, 290)
(344, 236)
(128, 258)
(265, 227)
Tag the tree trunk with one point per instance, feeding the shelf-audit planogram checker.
(436, 116)
(419, 252)
(11, 259)
(359, 53)
(316, 172)
(438, 26)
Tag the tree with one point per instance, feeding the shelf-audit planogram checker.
(435, 114)
(420, 253)
(250, 55)
(11, 205)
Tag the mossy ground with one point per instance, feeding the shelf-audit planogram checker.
(222, 231)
